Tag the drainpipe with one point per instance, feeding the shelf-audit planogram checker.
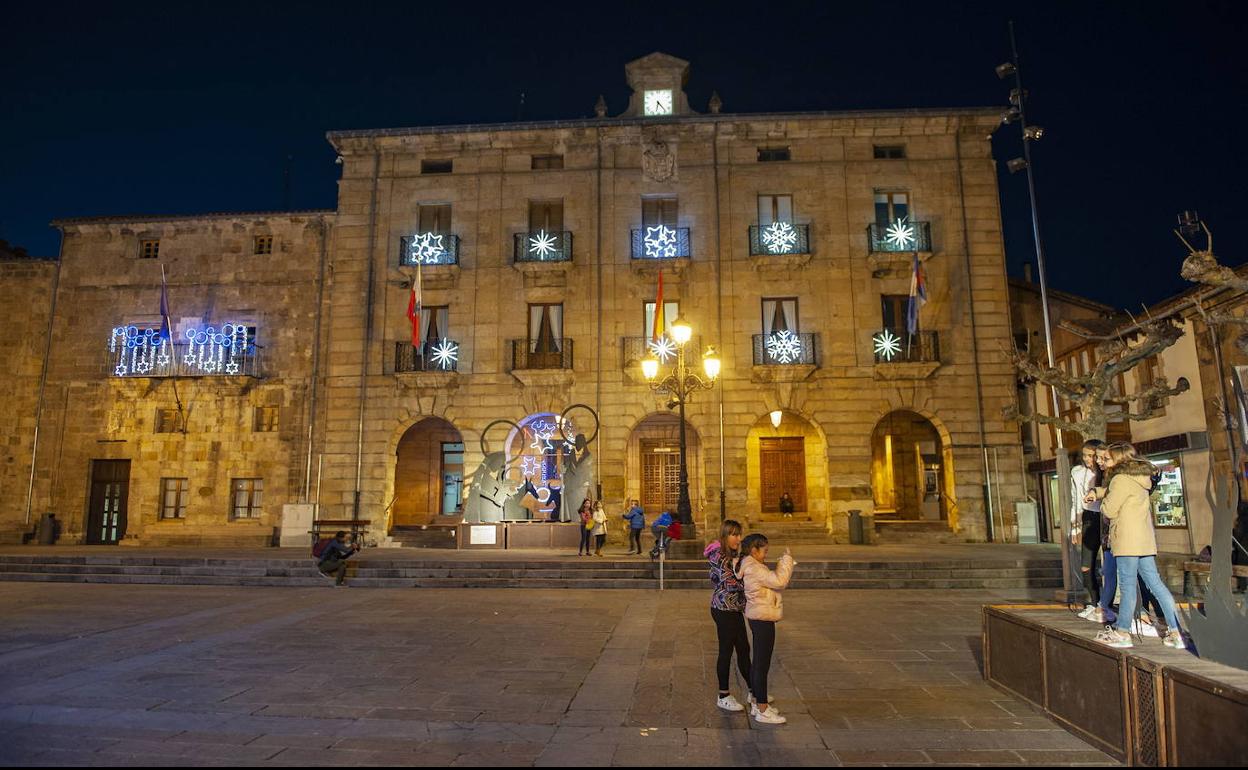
(719, 328)
(43, 378)
(316, 364)
(368, 333)
(598, 353)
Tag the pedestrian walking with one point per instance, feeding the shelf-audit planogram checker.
(763, 609)
(728, 612)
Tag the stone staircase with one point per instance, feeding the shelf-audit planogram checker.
(797, 530)
(422, 537)
(377, 570)
(897, 531)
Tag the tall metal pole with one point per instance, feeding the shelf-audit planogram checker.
(684, 509)
(1059, 451)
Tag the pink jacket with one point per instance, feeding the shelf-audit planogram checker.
(763, 587)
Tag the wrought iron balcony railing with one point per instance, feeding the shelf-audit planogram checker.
(661, 242)
(779, 238)
(433, 356)
(786, 348)
(636, 348)
(543, 246)
(429, 249)
(186, 360)
(896, 346)
(901, 236)
(535, 354)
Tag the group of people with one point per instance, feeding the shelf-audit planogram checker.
(746, 591)
(593, 521)
(1112, 520)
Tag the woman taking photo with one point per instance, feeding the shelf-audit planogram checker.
(763, 609)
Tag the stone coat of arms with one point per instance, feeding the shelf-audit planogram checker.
(658, 160)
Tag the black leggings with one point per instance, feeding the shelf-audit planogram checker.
(764, 632)
(584, 546)
(1090, 548)
(599, 542)
(730, 626)
(634, 540)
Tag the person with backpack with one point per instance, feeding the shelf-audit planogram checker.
(331, 554)
(660, 529)
(636, 518)
(763, 609)
(728, 612)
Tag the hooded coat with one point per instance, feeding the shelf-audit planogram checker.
(763, 587)
(1130, 513)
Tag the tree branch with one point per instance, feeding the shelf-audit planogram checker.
(1069, 385)
(1011, 413)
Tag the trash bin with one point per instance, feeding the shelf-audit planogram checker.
(855, 528)
(47, 529)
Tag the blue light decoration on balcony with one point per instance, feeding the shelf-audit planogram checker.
(661, 242)
(427, 249)
(213, 351)
(145, 352)
(140, 351)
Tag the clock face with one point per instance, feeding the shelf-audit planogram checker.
(659, 102)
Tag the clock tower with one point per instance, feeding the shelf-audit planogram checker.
(658, 83)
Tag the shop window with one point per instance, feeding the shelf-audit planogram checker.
(1169, 502)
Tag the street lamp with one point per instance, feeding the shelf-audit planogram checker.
(681, 384)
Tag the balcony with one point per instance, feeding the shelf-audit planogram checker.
(429, 249)
(899, 355)
(900, 237)
(634, 349)
(542, 246)
(439, 356)
(210, 351)
(524, 359)
(661, 243)
(779, 238)
(784, 356)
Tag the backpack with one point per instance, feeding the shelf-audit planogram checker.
(318, 549)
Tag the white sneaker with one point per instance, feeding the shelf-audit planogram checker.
(770, 704)
(729, 703)
(1115, 638)
(1087, 611)
(769, 717)
(1174, 638)
(1140, 628)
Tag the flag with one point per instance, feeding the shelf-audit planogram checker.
(166, 327)
(918, 296)
(660, 325)
(413, 309)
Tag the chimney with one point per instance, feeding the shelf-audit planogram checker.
(1027, 272)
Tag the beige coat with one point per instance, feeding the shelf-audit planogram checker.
(763, 587)
(1129, 511)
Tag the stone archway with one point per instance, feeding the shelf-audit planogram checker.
(428, 473)
(791, 457)
(912, 475)
(653, 471)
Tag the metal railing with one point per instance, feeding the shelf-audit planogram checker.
(439, 356)
(543, 246)
(186, 360)
(899, 237)
(779, 238)
(896, 346)
(429, 249)
(786, 349)
(634, 349)
(661, 242)
(558, 358)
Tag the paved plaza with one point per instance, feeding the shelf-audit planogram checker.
(175, 675)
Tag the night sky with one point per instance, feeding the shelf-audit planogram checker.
(168, 109)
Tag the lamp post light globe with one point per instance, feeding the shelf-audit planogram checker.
(650, 367)
(682, 332)
(711, 363)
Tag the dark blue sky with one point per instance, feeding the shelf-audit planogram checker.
(160, 108)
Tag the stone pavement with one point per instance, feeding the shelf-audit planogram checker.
(172, 675)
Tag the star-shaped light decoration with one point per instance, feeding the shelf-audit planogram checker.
(663, 348)
(660, 242)
(900, 234)
(887, 344)
(780, 238)
(784, 347)
(427, 248)
(542, 244)
(445, 353)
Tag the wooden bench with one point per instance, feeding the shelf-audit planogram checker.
(1193, 568)
(354, 526)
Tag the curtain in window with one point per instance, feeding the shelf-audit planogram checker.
(774, 208)
(779, 315)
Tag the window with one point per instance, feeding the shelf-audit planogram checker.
(266, 419)
(546, 215)
(168, 421)
(435, 218)
(890, 151)
(434, 323)
(671, 311)
(173, 497)
(545, 329)
(891, 206)
(247, 496)
(774, 208)
(547, 162)
(779, 314)
(773, 154)
(440, 166)
(1148, 372)
(1169, 503)
(658, 211)
(893, 312)
(149, 249)
(262, 244)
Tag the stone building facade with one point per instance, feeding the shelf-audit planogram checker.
(770, 228)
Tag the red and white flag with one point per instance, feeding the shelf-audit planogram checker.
(660, 324)
(413, 309)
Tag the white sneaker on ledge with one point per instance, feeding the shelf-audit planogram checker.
(729, 703)
(1087, 611)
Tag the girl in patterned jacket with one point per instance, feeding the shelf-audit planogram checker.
(728, 611)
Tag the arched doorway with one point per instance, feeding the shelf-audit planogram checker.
(789, 457)
(654, 464)
(428, 473)
(911, 469)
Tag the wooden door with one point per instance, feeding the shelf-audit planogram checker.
(660, 477)
(110, 491)
(782, 468)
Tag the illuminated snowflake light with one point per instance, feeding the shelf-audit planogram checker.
(784, 347)
(445, 354)
(900, 234)
(660, 242)
(542, 244)
(427, 248)
(887, 345)
(663, 348)
(780, 238)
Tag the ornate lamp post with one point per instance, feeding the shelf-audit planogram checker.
(682, 384)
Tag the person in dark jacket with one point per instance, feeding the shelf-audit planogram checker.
(333, 562)
(636, 518)
(786, 505)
